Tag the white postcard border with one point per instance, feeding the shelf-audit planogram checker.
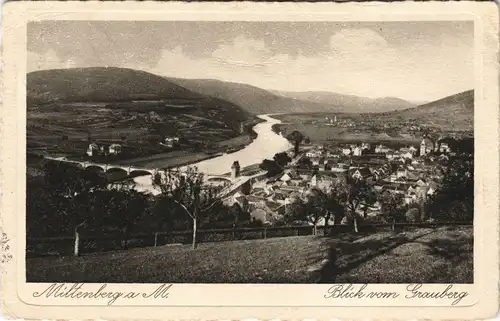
(268, 301)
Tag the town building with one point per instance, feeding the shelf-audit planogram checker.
(382, 149)
(171, 142)
(115, 149)
(357, 151)
(93, 149)
(426, 146)
(362, 173)
(444, 148)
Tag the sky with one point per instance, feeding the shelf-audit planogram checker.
(417, 61)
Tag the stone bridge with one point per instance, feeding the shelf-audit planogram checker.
(233, 185)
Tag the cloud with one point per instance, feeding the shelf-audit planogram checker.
(359, 61)
(353, 54)
(353, 40)
(47, 60)
(244, 51)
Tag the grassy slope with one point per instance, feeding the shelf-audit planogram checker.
(100, 84)
(254, 261)
(74, 101)
(456, 111)
(116, 85)
(260, 101)
(444, 255)
(253, 99)
(423, 255)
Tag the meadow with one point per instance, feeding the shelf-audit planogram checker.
(413, 255)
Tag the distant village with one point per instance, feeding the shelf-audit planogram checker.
(412, 172)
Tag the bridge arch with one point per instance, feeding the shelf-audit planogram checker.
(218, 181)
(95, 168)
(112, 170)
(218, 178)
(116, 173)
(139, 172)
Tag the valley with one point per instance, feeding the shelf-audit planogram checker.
(451, 115)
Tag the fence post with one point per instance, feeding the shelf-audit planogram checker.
(265, 232)
(77, 243)
(156, 239)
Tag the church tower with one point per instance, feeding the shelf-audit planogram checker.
(235, 170)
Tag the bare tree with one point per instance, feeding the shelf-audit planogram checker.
(186, 189)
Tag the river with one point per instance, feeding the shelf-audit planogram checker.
(264, 146)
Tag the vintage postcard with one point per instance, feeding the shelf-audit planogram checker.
(238, 160)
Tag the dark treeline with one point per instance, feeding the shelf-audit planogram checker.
(62, 198)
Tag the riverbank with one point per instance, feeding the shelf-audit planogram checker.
(185, 158)
(266, 144)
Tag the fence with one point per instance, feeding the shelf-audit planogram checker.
(65, 246)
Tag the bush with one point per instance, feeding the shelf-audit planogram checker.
(412, 215)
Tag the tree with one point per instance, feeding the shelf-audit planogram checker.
(412, 214)
(167, 215)
(296, 138)
(305, 210)
(455, 198)
(329, 199)
(271, 167)
(67, 193)
(186, 190)
(352, 194)
(70, 189)
(319, 203)
(235, 212)
(369, 198)
(131, 205)
(239, 214)
(223, 216)
(282, 159)
(392, 207)
(276, 128)
(305, 163)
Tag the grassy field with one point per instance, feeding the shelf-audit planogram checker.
(255, 261)
(440, 255)
(184, 157)
(443, 255)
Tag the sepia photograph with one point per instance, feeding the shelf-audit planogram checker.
(250, 151)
